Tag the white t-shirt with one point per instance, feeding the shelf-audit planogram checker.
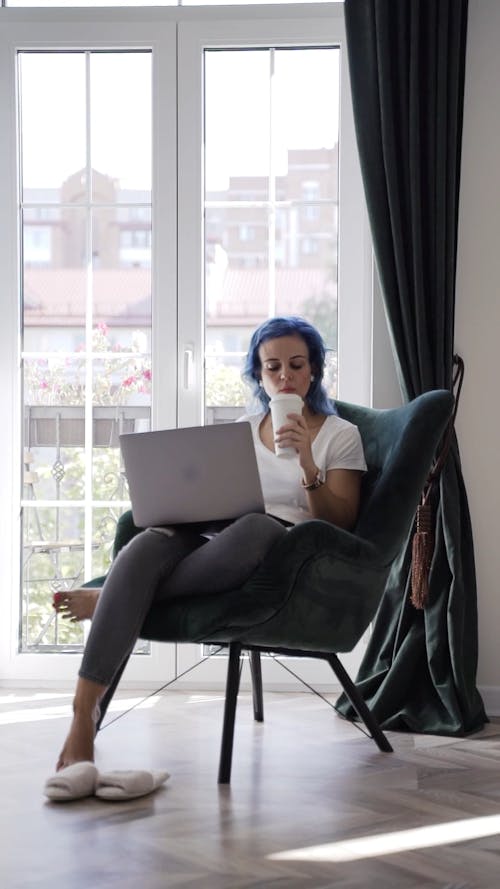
(337, 446)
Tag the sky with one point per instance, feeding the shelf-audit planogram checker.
(304, 90)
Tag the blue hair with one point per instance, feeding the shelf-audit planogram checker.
(292, 325)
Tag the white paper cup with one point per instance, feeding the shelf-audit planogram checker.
(281, 405)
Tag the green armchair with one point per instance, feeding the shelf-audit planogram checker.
(319, 587)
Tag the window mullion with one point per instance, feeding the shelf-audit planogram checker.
(89, 324)
(271, 246)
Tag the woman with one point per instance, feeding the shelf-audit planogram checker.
(285, 355)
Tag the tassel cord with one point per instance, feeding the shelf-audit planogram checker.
(423, 538)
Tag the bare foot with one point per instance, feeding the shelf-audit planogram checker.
(79, 744)
(78, 604)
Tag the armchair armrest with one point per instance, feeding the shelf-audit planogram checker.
(315, 537)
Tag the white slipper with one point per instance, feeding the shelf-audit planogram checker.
(73, 782)
(128, 784)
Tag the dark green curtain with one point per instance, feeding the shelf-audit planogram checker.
(407, 67)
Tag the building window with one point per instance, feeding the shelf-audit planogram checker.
(37, 245)
(309, 246)
(246, 233)
(310, 190)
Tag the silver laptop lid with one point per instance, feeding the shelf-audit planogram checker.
(197, 474)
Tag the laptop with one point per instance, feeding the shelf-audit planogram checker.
(197, 474)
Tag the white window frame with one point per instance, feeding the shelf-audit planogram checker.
(173, 336)
(60, 30)
(355, 253)
(266, 28)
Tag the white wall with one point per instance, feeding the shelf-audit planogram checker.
(477, 330)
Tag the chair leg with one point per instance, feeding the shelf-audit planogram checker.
(257, 697)
(232, 686)
(359, 704)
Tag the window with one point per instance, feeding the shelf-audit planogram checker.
(247, 233)
(309, 246)
(37, 245)
(151, 244)
(310, 190)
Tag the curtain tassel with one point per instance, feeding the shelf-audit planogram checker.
(423, 539)
(422, 550)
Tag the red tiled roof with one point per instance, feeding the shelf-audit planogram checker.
(56, 297)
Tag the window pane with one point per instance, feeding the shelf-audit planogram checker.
(54, 277)
(121, 277)
(120, 125)
(306, 103)
(104, 522)
(122, 381)
(237, 237)
(271, 204)
(54, 471)
(53, 381)
(53, 124)
(53, 561)
(237, 102)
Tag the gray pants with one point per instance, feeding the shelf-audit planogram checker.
(165, 563)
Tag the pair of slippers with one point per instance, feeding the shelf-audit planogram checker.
(82, 779)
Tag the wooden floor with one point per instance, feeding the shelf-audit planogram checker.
(312, 803)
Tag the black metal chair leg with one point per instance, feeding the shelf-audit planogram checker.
(257, 697)
(232, 686)
(359, 704)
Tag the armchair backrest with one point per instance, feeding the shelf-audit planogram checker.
(399, 445)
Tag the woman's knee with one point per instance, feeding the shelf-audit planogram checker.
(228, 559)
(142, 541)
(258, 526)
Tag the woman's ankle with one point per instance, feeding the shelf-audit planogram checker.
(87, 699)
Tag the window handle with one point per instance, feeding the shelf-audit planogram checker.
(188, 366)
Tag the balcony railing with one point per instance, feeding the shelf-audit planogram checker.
(64, 426)
(56, 549)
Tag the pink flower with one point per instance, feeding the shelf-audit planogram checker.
(103, 328)
(129, 381)
(146, 374)
(44, 384)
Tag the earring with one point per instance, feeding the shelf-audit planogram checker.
(312, 378)
(260, 382)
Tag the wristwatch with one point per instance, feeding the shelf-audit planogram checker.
(316, 483)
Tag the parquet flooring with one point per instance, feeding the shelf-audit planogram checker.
(312, 802)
